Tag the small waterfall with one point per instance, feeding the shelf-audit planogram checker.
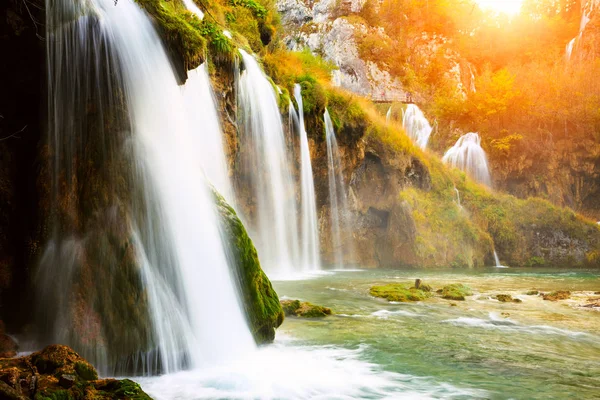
(135, 275)
(310, 229)
(496, 259)
(204, 120)
(338, 203)
(416, 125)
(468, 155)
(388, 115)
(569, 48)
(190, 5)
(457, 197)
(266, 170)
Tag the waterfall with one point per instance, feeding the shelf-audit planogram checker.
(457, 197)
(266, 170)
(569, 48)
(468, 155)
(310, 229)
(136, 245)
(338, 203)
(496, 259)
(416, 125)
(204, 120)
(190, 5)
(388, 115)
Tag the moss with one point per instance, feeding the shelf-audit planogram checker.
(456, 291)
(557, 295)
(85, 371)
(399, 292)
(260, 300)
(535, 262)
(532, 293)
(180, 28)
(295, 308)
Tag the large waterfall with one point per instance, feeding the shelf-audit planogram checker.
(134, 275)
(338, 202)
(468, 155)
(266, 170)
(310, 229)
(416, 125)
(204, 121)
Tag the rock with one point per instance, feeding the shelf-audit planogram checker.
(505, 314)
(456, 291)
(8, 347)
(504, 298)
(261, 303)
(453, 305)
(399, 292)
(557, 295)
(532, 293)
(67, 381)
(295, 308)
(57, 372)
(417, 283)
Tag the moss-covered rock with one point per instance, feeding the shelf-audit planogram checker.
(456, 291)
(295, 308)
(59, 373)
(399, 292)
(260, 300)
(532, 292)
(507, 298)
(557, 295)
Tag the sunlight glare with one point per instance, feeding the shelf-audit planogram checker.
(510, 7)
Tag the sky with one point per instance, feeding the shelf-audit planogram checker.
(506, 6)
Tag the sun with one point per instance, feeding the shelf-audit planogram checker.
(510, 7)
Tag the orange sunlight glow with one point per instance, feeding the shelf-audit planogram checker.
(510, 7)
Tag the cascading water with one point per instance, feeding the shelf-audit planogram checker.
(266, 170)
(457, 198)
(468, 155)
(203, 118)
(310, 230)
(388, 115)
(135, 264)
(338, 203)
(416, 125)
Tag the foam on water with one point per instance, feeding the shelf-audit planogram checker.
(506, 324)
(385, 314)
(287, 371)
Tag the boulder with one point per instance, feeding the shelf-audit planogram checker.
(400, 292)
(295, 308)
(557, 295)
(58, 372)
(455, 291)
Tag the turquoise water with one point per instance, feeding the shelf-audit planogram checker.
(373, 349)
(540, 350)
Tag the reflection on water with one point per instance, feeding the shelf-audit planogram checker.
(479, 348)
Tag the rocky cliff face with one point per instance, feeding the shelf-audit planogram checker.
(325, 28)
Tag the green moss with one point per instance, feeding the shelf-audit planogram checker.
(532, 293)
(456, 291)
(399, 292)
(295, 308)
(260, 300)
(535, 262)
(85, 371)
(180, 28)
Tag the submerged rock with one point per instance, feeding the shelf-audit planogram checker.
(58, 372)
(455, 291)
(533, 293)
(557, 295)
(295, 308)
(261, 303)
(399, 292)
(507, 298)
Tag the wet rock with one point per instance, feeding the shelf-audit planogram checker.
(532, 293)
(57, 372)
(507, 298)
(8, 346)
(456, 291)
(399, 292)
(67, 381)
(557, 295)
(295, 308)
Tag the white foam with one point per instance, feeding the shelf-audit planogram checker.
(385, 314)
(288, 372)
